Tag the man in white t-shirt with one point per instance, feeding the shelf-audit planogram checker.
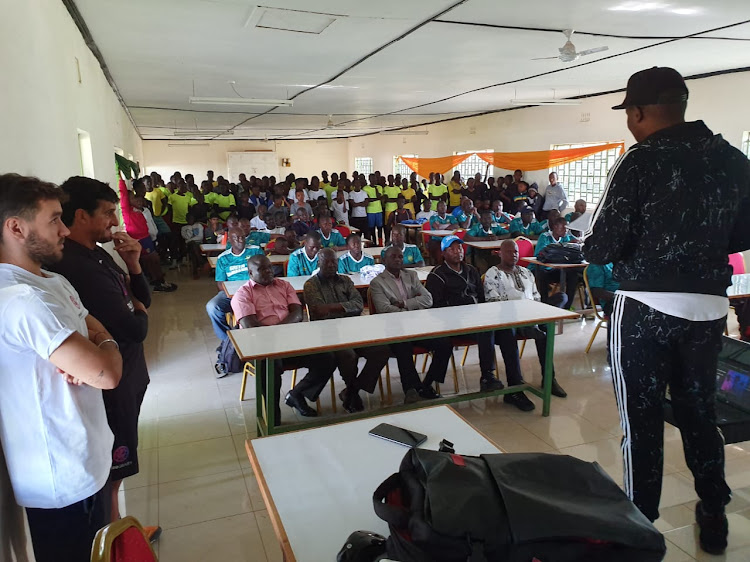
(53, 426)
(358, 207)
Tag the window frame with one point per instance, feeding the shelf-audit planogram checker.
(359, 165)
(475, 165)
(745, 145)
(400, 168)
(590, 173)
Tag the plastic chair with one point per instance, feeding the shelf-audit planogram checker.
(525, 250)
(343, 230)
(737, 261)
(123, 540)
(600, 316)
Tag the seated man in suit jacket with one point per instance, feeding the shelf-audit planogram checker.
(399, 290)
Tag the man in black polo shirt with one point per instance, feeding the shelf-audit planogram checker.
(119, 300)
(455, 283)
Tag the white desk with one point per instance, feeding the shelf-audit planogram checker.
(212, 261)
(485, 244)
(440, 233)
(306, 338)
(212, 248)
(318, 484)
(740, 288)
(298, 283)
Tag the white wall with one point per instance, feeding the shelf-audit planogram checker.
(42, 107)
(307, 157)
(720, 101)
(42, 103)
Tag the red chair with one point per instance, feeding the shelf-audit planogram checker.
(343, 230)
(425, 236)
(737, 261)
(525, 250)
(123, 540)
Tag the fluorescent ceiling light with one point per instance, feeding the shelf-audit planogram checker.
(203, 133)
(400, 133)
(238, 101)
(545, 102)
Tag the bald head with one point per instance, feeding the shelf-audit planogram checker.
(508, 253)
(236, 239)
(328, 263)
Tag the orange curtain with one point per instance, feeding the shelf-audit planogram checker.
(543, 159)
(423, 166)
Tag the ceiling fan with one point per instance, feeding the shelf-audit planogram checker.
(331, 124)
(568, 51)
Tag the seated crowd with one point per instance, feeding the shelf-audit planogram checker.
(88, 320)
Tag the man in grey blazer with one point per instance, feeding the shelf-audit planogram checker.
(399, 290)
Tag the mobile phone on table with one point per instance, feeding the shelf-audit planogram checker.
(398, 435)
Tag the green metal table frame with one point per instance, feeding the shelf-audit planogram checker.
(266, 421)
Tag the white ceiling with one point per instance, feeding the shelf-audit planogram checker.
(391, 63)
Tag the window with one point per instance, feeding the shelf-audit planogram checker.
(473, 165)
(746, 143)
(86, 154)
(585, 178)
(400, 168)
(363, 166)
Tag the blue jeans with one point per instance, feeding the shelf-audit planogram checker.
(217, 309)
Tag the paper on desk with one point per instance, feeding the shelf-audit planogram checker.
(581, 223)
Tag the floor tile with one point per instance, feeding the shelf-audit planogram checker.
(563, 430)
(268, 535)
(605, 452)
(199, 458)
(148, 433)
(235, 539)
(241, 418)
(512, 437)
(202, 499)
(739, 538)
(189, 398)
(677, 489)
(175, 430)
(253, 490)
(141, 503)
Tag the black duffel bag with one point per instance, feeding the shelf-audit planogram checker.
(519, 507)
(561, 253)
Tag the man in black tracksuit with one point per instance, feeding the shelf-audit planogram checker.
(670, 312)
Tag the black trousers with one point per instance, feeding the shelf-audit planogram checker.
(376, 357)
(650, 349)
(544, 277)
(67, 534)
(508, 344)
(442, 350)
(320, 368)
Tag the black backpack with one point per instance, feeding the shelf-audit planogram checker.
(561, 253)
(228, 361)
(442, 507)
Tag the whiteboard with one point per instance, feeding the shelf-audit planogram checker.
(256, 164)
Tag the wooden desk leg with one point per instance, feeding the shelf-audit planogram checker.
(548, 369)
(270, 397)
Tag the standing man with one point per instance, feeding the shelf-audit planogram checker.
(554, 196)
(119, 300)
(670, 312)
(55, 359)
(330, 295)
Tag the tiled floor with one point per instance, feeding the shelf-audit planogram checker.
(196, 481)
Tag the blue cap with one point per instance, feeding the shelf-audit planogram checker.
(448, 240)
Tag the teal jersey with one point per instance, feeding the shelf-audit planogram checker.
(463, 217)
(517, 227)
(411, 253)
(601, 276)
(347, 264)
(478, 231)
(230, 267)
(256, 238)
(335, 239)
(545, 240)
(438, 223)
(300, 264)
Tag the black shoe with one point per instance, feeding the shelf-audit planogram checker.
(713, 530)
(411, 396)
(427, 392)
(520, 401)
(165, 287)
(221, 370)
(351, 401)
(487, 384)
(557, 390)
(300, 404)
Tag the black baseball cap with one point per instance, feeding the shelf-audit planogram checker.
(658, 85)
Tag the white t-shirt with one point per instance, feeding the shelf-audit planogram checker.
(153, 232)
(258, 223)
(338, 211)
(426, 214)
(55, 436)
(358, 197)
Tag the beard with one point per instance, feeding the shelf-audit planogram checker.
(42, 251)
